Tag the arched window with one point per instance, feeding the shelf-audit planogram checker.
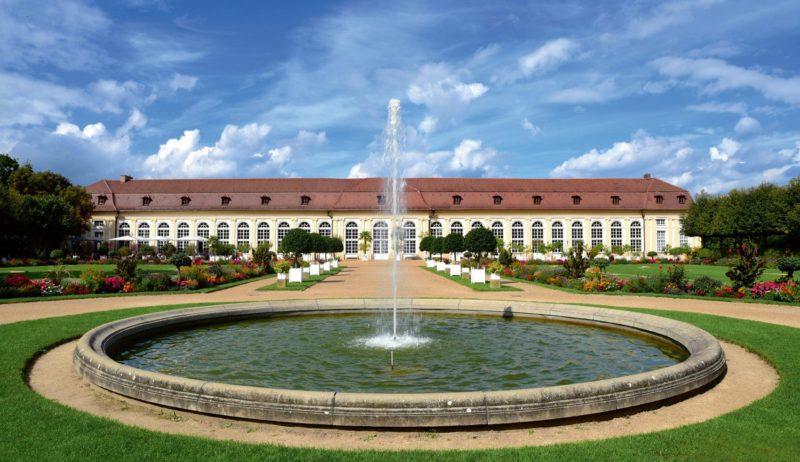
(124, 229)
(597, 233)
(497, 229)
(325, 229)
(380, 238)
(557, 236)
(616, 236)
(577, 233)
(162, 232)
(517, 236)
(409, 238)
(305, 226)
(243, 234)
(457, 228)
(262, 233)
(183, 233)
(477, 224)
(537, 236)
(203, 232)
(283, 228)
(351, 238)
(224, 233)
(143, 233)
(436, 229)
(636, 236)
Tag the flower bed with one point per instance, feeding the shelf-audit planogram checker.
(94, 281)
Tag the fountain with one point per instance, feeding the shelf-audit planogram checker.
(482, 362)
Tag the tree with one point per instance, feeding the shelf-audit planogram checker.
(748, 268)
(263, 256)
(296, 243)
(8, 165)
(169, 249)
(216, 246)
(576, 262)
(318, 244)
(425, 244)
(452, 243)
(178, 260)
(480, 241)
(366, 239)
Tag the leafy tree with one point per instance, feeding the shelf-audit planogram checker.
(425, 244)
(296, 243)
(480, 241)
(748, 267)
(504, 257)
(263, 256)
(126, 268)
(215, 245)
(168, 250)
(452, 243)
(178, 260)
(333, 245)
(601, 263)
(366, 239)
(8, 165)
(318, 244)
(789, 265)
(576, 263)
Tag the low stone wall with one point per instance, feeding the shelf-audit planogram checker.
(705, 364)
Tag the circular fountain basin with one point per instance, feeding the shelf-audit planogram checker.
(310, 362)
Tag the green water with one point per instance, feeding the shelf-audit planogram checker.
(464, 353)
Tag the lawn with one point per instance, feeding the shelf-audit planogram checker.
(308, 281)
(40, 272)
(37, 429)
(692, 271)
(479, 287)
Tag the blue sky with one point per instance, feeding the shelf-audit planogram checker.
(702, 93)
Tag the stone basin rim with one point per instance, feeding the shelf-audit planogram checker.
(704, 366)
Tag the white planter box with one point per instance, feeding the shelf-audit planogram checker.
(494, 277)
(430, 263)
(326, 266)
(335, 264)
(296, 274)
(464, 270)
(282, 275)
(441, 266)
(306, 269)
(478, 276)
(455, 270)
(313, 270)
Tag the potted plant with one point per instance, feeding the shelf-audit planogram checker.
(366, 240)
(282, 268)
(494, 274)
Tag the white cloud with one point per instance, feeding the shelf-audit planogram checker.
(442, 92)
(529, 127)
(63, 34)
(725, 150)
(468, 159)
(182, 82)
(307, 138)
(666, 15)
(547, 57)
(597, 91)
(111, 95)
(428, 125)
(716, 75)
(27, 101)
(735, 108)
(136, 121)
(747, 126)
(231, 154)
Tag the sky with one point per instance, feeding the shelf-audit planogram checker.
(704, 94)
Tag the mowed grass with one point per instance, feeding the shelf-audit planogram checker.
(33, 428)
(308, 281)
(39, 272)
(479, 287)
(692, 271)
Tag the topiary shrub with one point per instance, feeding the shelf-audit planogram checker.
(748, 267)
(601, 263)
(789, 265)
(504, 257)
(705, 285)
(576, 263)
(126, 268)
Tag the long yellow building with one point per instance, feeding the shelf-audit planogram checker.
(644, 213)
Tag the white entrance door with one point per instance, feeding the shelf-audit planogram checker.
(380, 241)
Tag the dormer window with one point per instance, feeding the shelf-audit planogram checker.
(265, 200)
(185, 200)
(456, 200)
(381, 200)
(102, 199)
(225, 200)
(659, 199)
(615, 200)
(537, 200)
(576, 200)
(146, 200)
(305, 200)
(497, 200)
(681, 199)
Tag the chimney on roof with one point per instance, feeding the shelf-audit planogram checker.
(647, 176)
(125, 178)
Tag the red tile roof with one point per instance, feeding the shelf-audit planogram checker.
(336, 194)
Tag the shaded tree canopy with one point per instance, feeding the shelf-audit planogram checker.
(766, 214)
(480, 241)
(296, 243)
(39, 210)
